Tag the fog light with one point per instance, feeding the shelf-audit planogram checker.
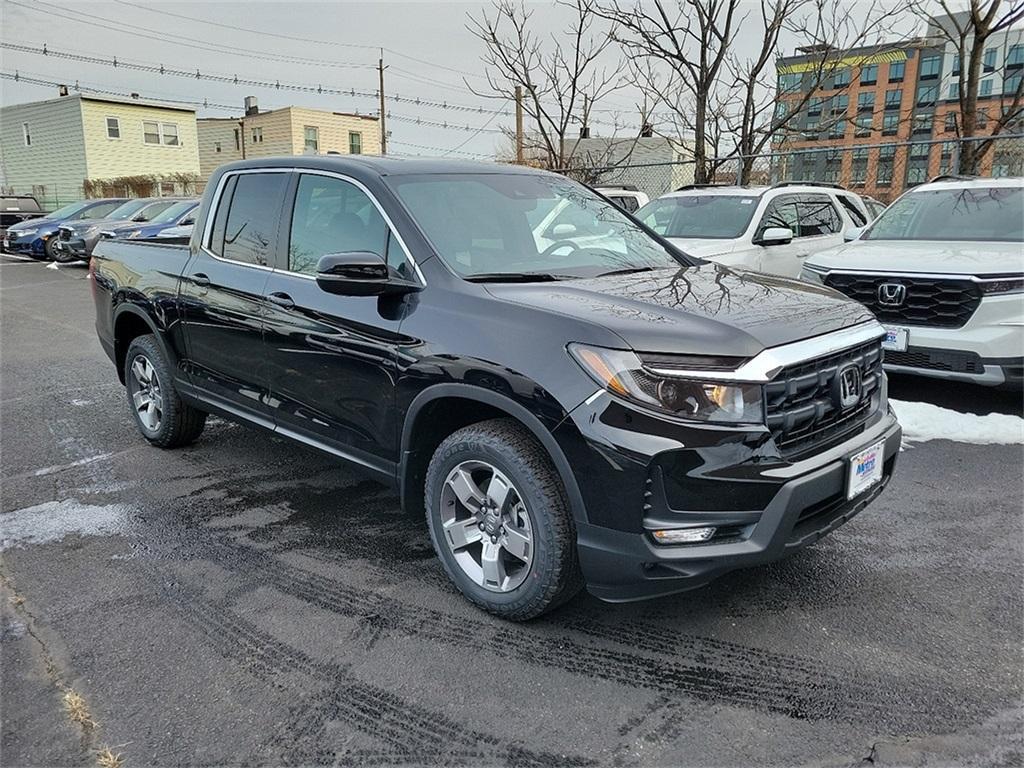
(683, 535)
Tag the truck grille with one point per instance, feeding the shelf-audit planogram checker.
(799, 407)
(935, 302)
(937, 360)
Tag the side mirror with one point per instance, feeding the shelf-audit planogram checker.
(186, 222)
(140, 217)
(852, 234)
(776, 236)
(359, 273)
(563, 230)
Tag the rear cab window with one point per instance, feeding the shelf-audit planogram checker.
(245, 224)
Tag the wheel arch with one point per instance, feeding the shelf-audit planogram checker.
(131, 322)
(424, 428)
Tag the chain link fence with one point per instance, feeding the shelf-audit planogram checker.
(53, 196)
(881, 170)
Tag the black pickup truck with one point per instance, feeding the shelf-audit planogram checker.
(566, 397)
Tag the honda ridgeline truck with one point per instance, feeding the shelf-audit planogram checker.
(585, 405)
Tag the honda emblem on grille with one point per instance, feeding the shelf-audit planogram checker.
(848, 387)
(892, 294)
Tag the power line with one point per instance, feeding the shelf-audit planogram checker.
(18, 77)
(440, 150)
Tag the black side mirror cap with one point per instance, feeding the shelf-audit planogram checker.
(359, 273)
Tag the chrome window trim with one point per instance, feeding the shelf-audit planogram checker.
(927, 275)
(212, 214)
(767, 364)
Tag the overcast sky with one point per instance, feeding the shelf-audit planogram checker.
(428, 50)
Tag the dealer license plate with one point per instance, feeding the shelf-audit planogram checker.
(865, 469)
(896, 339)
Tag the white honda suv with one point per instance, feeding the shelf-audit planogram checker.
(943, 269)
(768, 229)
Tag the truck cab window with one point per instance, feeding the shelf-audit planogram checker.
(334, 216)
(250, 229)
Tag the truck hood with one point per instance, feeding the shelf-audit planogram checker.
(956, 258)
(705, 309)
(704, 248)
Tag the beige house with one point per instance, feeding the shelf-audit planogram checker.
(286, 131)
(52, 148)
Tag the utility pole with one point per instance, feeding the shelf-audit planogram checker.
(383, 127)
(519, 124)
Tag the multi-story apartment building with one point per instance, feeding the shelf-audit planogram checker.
(286, 131)
(887, 116)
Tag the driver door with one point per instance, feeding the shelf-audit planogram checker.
(782, 259)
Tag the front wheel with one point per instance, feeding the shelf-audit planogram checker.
(500, 522)
(161, 416)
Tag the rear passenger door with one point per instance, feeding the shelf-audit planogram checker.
(821, 226)
(332, 359)
(781, 211)
(222, 293)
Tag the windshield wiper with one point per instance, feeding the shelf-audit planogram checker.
(626, 271)
(514, 277)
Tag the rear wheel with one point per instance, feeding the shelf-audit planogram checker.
(499, 520)
(161, 416)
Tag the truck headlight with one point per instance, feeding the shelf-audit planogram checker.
(622, 373)
(1011, 284)
(810, 273)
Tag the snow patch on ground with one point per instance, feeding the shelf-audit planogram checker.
(924, 421)
(54, 520)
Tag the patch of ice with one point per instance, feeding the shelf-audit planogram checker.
(54, 520)
(924, 421)
(52, 265)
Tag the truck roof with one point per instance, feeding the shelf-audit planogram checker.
(356, 165)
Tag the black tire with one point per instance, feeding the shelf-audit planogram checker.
(554, 575)
(178, 424)
(48, 252)
(61, 257)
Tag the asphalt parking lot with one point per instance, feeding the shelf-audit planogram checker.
(246, 601)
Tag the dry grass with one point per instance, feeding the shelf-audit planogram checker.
(77, 709)
(107, 758)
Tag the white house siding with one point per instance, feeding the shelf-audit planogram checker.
(54, 165)
(217, 143)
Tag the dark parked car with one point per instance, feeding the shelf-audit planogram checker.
(37, 237)
(77, 239)
(603, 411)
(180, 214)
(15, 209)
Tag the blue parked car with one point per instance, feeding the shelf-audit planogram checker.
(181, 213)
(37, 237)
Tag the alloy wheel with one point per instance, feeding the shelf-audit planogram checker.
(147, 398)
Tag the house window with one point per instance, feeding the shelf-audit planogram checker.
(893, 97)
(355, 143)
(985, 88)
(257, 135)
(927, 94)
(954, 90)
(150, 132)
(170, 131)
(988, 61)
(949, 125)
(216, 147)
(841, 78)
(26, 135)
(238, 140)
(930, 66)
(113, 128)
(890, 125)
(866, 102)
(923, 124)
(896, 71)
(869, 74)
(311, 139)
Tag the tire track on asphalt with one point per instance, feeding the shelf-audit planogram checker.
(408, 731)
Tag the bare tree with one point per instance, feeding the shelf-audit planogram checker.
(561, 75)
(968, 31)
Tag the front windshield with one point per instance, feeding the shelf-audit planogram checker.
(984, 214)
(715, 217)
(522, 224)
(127, 210)
(173, 212)
(67, 211)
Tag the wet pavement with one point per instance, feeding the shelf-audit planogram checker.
(248, 601)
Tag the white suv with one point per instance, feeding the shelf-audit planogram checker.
(769, 229)
(943, 269)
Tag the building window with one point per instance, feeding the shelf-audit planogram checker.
(811, 129)
(893, 97)
(151, 133)
(238, 140)
(170, 132)
(26, 134)
(988, 61)
(790, 82)
(946, 158)
(949, 124)
(981, 119)
(927, 94)
(930, 66)
(886, 161)
(216, 147)
(355, 143)
(841, 78)
(311, 139)
(814, 105)
(866, 102)
(859, 175)
(113, 128)
(869, 74)
(890, 125)
(1011, 84)
(985, 88)
(840, 104)
(838, 130)
(956, 65)
(862, 126)
(954, 90)
(896, 71)
(257, 135)
(923, 124)
(1014, 58)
